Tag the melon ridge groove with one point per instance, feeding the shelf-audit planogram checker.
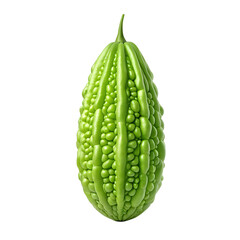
(139, 196)
(97, 152)
(92, 78)
(159, 168)
(121, 113)
(147, 78)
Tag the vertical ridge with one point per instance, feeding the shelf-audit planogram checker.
(84, 145)
(121, 113)
(159, 150)
(145, 127)
(96, 133)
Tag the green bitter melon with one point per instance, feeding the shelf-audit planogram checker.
(120, 139)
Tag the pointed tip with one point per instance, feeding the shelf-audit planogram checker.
(120, 37)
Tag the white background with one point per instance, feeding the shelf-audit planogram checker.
(47, 48)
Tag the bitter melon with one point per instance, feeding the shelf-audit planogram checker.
(120, 139)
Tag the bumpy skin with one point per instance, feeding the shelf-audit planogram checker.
(120, 139)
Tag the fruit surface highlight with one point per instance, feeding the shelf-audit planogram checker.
(120, 138)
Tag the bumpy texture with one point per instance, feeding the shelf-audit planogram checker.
(120, 139)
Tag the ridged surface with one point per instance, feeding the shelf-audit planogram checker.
(120, 139)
